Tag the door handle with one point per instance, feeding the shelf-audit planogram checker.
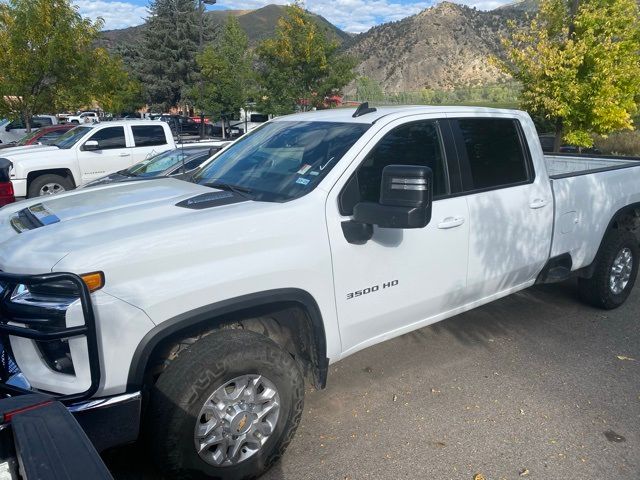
(450, 222)
(125, 154)
(538, 203)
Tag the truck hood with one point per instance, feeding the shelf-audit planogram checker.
(18, 153)
(82, 219)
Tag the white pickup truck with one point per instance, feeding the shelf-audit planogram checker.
(200, 308)
(83, 154)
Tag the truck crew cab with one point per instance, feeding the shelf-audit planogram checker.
(197, 310)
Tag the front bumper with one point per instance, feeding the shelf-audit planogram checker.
(36, 323)
(107, 421)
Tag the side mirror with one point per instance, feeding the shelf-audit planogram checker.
(406, 195)
(7, 128)
(91, 145)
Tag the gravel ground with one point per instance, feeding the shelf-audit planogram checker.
(535, 386)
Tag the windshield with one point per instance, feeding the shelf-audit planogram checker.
(70, 138)
(281, 161)
(160, 163)
(27, 137)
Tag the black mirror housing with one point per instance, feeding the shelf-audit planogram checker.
(405, 199)
(406, 186)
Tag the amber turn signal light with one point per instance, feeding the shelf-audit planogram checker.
(94, 281)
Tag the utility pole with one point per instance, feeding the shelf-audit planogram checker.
(201, 4)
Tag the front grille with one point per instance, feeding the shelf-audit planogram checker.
(8, 366)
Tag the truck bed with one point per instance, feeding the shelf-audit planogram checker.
(588, 191)
(559, 165)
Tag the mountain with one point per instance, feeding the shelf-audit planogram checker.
(445, 46)
(258, 24)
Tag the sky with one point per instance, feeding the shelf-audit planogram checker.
(353, 16)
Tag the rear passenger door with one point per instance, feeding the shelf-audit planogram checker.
(149, 140)
(510, 207)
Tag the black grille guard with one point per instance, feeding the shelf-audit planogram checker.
(8, 282)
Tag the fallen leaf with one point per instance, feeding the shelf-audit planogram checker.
(524, 473)
(624, 357)
(395, 398)
(479, 476)
(521, 412)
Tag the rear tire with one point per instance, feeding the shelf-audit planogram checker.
(48, 184)
(186, 400)
(616, 269)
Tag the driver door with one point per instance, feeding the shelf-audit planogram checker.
(401, 279)
(112, 154)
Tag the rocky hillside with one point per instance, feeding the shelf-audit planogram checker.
(445, 46)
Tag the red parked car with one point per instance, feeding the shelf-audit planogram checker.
(42, 136)
(6, 187)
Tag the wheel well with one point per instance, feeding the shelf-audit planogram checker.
(287, 323)
(63, 172)
(627, 218)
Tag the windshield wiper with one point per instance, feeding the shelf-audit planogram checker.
(242, 191)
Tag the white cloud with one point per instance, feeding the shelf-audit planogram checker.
(353, 16)
(116, 14)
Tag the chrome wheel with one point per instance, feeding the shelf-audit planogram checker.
(621, 271)
(237, 420)
(51, 189)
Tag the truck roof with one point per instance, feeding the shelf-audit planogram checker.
(346, 114)
(120, 123)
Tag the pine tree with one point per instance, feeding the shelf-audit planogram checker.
(169, 47)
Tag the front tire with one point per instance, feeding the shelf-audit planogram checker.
(226, 408)
(615, 271)
(48, 184)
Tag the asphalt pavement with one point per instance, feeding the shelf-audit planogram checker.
(534, 386)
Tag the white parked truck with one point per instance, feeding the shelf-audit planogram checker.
(83, 154)
(198, 309)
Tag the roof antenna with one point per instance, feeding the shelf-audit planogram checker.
(363, 109)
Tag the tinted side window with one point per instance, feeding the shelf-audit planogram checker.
(494, 151)
(258, 118)
(112, 137)
(39, 122)
(415, 143)
(149, 135)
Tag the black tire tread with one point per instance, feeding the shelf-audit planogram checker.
(595, 290)
(177, 385)
(36, 184)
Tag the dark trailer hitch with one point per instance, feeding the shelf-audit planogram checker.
(32, 329)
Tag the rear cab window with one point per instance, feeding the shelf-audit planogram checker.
(493, 153)
(148, 135)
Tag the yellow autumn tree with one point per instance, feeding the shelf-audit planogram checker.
(579, 65)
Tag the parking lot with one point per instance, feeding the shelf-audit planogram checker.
(536, 386)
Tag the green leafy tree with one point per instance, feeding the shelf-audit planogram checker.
(226, 72)
(168, 49)
(112, 86)
(47, 59)
(579, 66)
(299, 67)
